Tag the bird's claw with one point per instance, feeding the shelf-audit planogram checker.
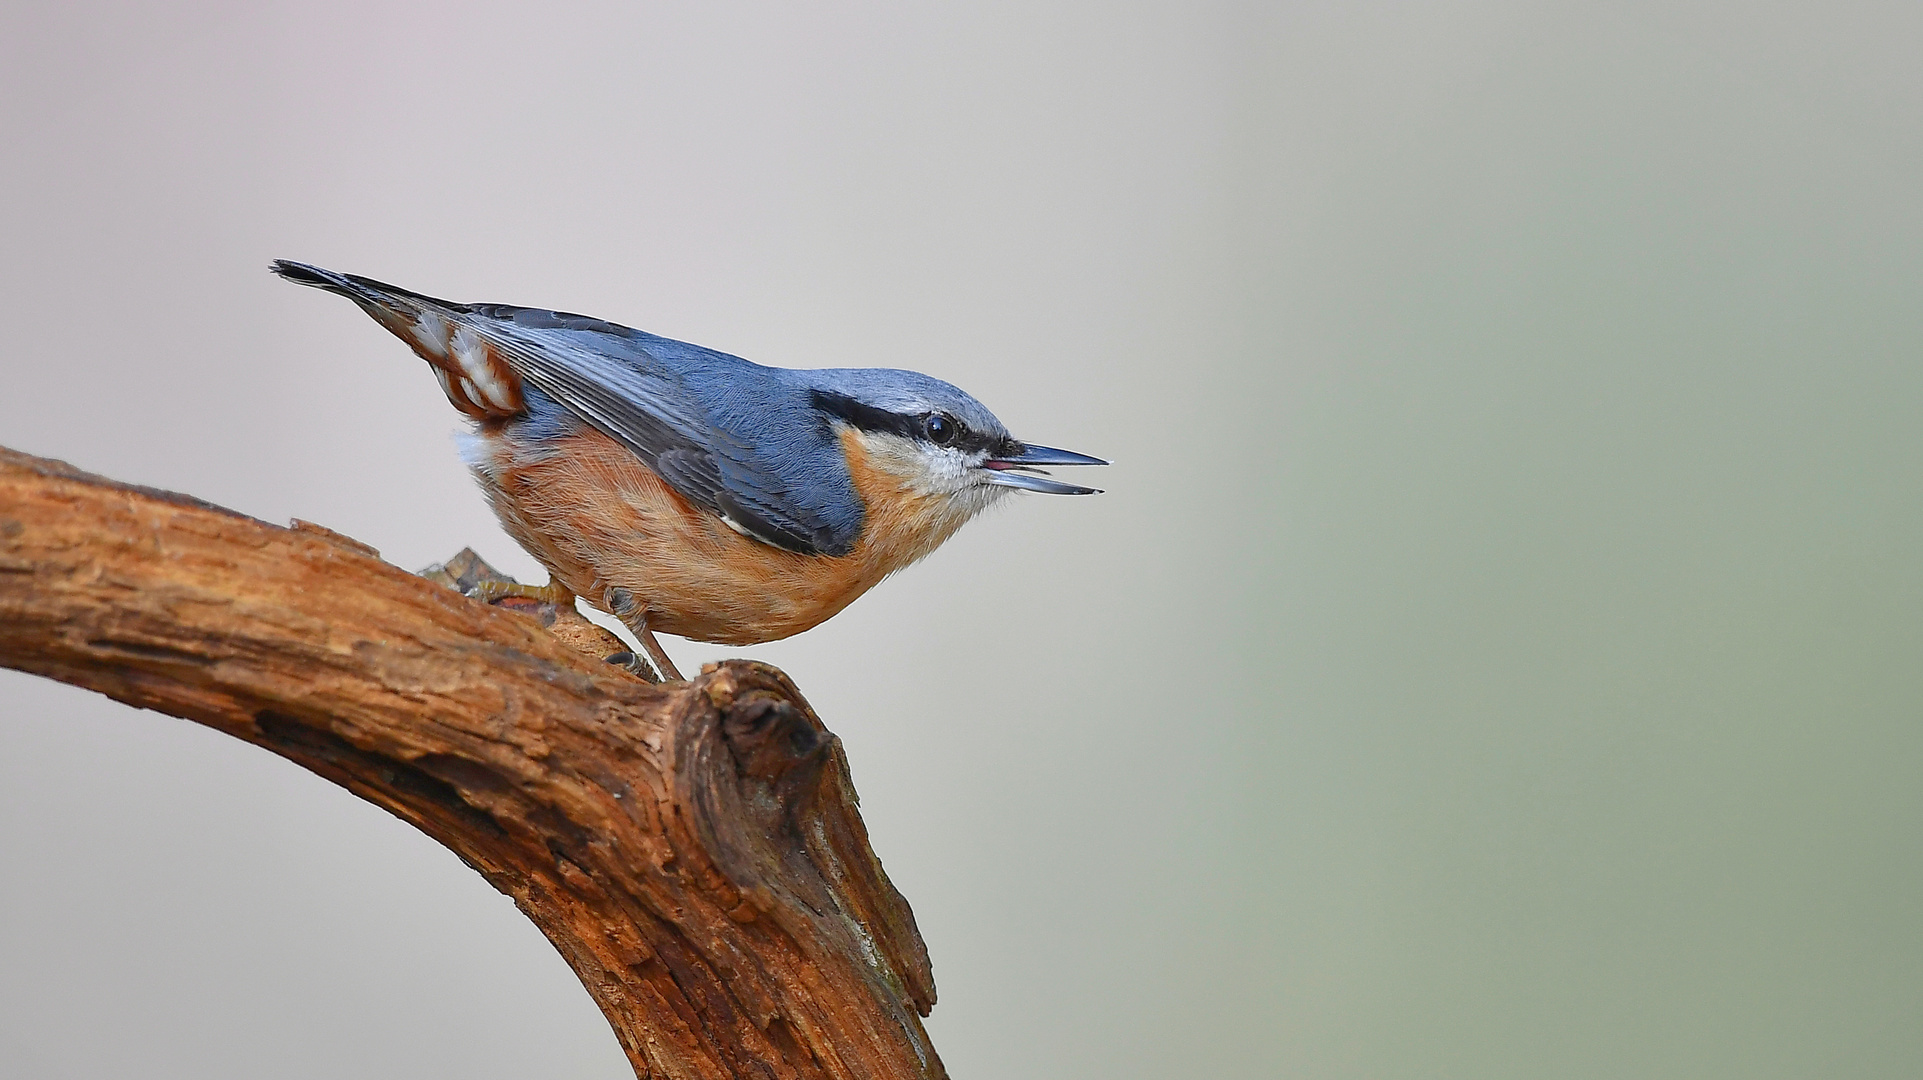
(633, 665)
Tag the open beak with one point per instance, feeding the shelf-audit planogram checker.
(1003, 470)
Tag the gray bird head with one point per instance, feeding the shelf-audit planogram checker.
(948, 442)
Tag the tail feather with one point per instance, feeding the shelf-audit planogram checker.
(476, 379)
(304, 274)
(355, 287)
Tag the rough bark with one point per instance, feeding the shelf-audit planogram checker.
(693, 850)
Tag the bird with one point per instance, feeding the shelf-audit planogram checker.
(692, 492)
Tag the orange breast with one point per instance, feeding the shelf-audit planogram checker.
(598, 518)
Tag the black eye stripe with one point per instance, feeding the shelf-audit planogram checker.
(866, 417)
(907, 425)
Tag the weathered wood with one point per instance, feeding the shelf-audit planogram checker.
(693, 850)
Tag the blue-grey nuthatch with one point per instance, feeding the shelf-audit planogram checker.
(685, 490)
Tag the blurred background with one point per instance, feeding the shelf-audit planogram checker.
(1497, 655)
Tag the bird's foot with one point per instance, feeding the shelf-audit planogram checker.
(551, 605)
(493, 592)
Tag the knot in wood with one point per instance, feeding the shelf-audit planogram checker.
(768, 737)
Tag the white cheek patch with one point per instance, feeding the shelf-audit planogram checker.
(945, 471)
(926, 470)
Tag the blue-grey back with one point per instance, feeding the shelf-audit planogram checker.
(738, 438)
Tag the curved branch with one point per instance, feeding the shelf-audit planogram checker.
(693, 850)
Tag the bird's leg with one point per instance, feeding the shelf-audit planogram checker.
(635, 617)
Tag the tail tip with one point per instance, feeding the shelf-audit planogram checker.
(300, 273)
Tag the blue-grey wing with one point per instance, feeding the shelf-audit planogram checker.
(679, 407)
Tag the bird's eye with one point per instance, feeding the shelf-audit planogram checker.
(941, 430)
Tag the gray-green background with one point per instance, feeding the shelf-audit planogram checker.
(1497, 654)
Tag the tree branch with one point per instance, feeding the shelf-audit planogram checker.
(693, 850)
